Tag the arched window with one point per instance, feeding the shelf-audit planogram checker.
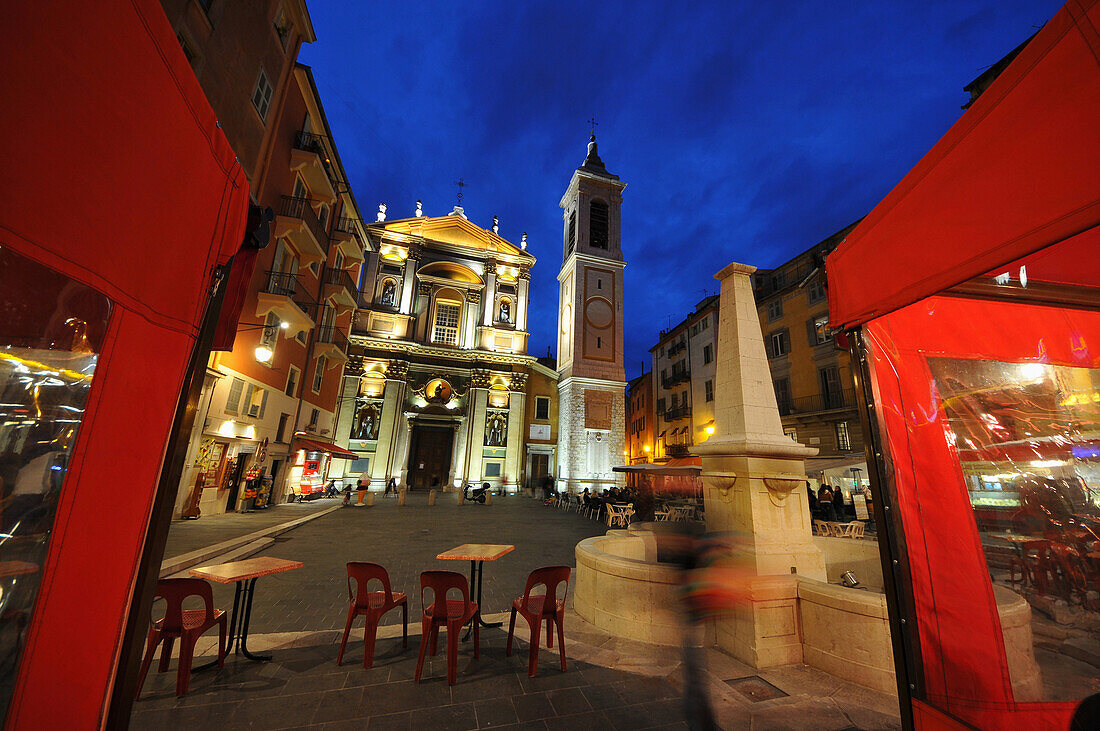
(597, 225)
(447, 319)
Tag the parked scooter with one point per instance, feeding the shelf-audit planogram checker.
(478, 493)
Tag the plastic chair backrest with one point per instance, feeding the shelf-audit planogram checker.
(441, 583)
(174, 591)
(363, 572)
(550, 577)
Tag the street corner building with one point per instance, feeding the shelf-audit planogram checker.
(440, 390)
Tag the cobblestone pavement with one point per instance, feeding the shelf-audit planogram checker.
(185, 536)
(406, 540)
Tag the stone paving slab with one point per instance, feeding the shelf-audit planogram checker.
(185, 536)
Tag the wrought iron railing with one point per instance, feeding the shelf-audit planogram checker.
(302, 209)
(677, 377)
(287, 285)
(821, 402)
(335, 336)
(341, 278)
(678, 412)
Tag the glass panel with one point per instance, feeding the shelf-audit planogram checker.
(51, 331)
(1027, 437)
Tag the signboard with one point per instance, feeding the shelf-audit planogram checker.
(860, 502)
(540, 431)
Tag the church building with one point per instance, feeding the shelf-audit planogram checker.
(437, 391)
(592, 384)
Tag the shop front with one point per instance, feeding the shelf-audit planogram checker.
(979, 381)
(309, 473)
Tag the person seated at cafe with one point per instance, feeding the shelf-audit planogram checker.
(825, 499)
(586, 498)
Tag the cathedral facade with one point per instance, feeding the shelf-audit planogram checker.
(437, 390)
(591, 385)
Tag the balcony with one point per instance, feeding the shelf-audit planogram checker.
(677, 450)
(676, 348)
(339, 288)
(345, 234)
(678, 412)
(813, 404)
(310, 158)
(297, 221)
(331, 342)
(677, 377)
(283, 295)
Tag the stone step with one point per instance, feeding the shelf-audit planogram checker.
(243, 552)
(1083, 649)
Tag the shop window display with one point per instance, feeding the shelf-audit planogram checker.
(51, 333)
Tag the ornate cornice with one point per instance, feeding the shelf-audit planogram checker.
(397, 370)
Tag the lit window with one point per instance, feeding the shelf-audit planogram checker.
(792, 433)
(261, 95)
(446, 323)
(820, 329)
(843, 440)
(709, 387)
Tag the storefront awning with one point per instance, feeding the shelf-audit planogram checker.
(316, 445)
(1019, 171)
(660, 469)
(833, 464)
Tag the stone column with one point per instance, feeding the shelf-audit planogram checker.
(512, 461)
(401, 451)
(345, 415)
(754, 480)
(459, 452)
(393, 399)
(469, 328)
(476, 412)
(521, 299)
(408, 285)
(489, 297)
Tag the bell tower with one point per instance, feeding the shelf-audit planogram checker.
(591, 385)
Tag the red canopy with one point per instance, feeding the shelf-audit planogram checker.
(1020, 170)
(317, 445)
(119, 178)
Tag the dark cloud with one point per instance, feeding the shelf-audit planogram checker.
(745, 132)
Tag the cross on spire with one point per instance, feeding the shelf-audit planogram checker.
(593, 124)
(460, 185)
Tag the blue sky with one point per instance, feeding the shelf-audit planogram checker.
(744, 131)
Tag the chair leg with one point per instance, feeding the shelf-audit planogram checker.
(533, 655)
(405, 624)
(549, 633)
(223, 624)
(511, 631)
(370, 631)
(561, 639)
(424, 640)
(477, 635)
(347, 631)
(166, 653)
(452, 653)
(435, 640)
(183, 674)
(150, 651)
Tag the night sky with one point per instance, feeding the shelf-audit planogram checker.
(744, 131)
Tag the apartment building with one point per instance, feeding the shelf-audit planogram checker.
(641, 415)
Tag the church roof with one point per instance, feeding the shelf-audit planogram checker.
(454, 229)
(593, 164)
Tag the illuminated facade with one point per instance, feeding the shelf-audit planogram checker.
(437, 391)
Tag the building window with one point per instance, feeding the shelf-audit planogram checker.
(292, 377)
(705, 323)
(819, 330)
(232, 404)
(791, 432)
(708, 354)
(709, 388)
(446, 323)
(660, 406)
(775, 309)
(599, 284)
(843, 440)
(492, 469)
(319, 373)
(779, 280)
(816, 292)
(675, 401)
(280, 434)
(542, 408)
(597, 224)
(778, 343)
(283, 25)
(313, 417)
(255, 401)
(261, 95)
(571, 232)
(831, 396)
(783, 395)
(188, 51)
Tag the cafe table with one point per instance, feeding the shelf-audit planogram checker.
(243, 574)
(477, 554)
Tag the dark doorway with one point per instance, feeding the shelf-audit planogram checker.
(430, 456)
(235, 482)
(540, 466)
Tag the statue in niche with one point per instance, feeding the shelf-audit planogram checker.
(496, 432)
(505, 311)
(389, 293)
(366, 426)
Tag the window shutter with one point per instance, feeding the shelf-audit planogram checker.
(232, 403)
(811, 332)
(263, 404)
(786, 335)
(768, 346)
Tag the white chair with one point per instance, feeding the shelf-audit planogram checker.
(821, 528)
(660, 514)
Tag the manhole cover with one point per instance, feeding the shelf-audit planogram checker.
(755, 688)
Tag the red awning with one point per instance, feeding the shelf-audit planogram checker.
(316, 445)
(1020, 170)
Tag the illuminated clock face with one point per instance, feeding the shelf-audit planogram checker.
(566, 317)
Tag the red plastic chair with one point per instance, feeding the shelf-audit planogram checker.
(188, 625)
(536, 607)
(450, 613)
(372, 605)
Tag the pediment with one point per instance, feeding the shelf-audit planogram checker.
(455, 230)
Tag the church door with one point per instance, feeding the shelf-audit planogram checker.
(430, 457)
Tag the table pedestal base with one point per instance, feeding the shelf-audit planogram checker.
(238, 625)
